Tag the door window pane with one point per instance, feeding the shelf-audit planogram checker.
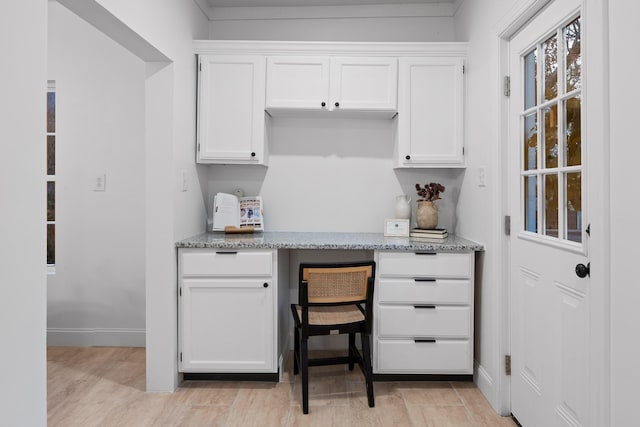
(573, 55)
(531, 204)
(530, 79)
(51, 111)
(551, 205)
(51, 201)
(530, 142)
(51, 155)
(550, 52)
(574, 206)
(51, 244)
(573, 133)
(550, 118)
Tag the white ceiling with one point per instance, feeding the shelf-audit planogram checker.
(296, 3)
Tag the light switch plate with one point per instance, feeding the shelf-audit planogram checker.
(100, 182)
(482, 176)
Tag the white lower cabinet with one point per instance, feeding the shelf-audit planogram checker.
(423, 313)
(227, 311)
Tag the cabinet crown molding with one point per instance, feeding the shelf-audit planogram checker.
(208, 47)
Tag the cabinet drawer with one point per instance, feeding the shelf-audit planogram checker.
(424, 264)
(408, 356)
(439, 291)
(424, 321)
(226, 263)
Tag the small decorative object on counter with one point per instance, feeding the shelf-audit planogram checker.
(427, 211)
(403, 207)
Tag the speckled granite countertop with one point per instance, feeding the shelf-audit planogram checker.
(303, 240)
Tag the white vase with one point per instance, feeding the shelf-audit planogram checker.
(403, 207)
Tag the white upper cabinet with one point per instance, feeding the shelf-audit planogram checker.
(366, 84)
(298, 82)
(231, 103)
(320, 83)
(430, 112)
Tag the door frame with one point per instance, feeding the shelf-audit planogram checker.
(596, 116)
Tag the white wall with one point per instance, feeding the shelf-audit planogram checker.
(161, 30)
(96, 296)
(23, 32)
(625, 293)
(333, 175)
(479, 211)
(400, 29)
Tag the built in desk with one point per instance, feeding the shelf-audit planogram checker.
(234, 298)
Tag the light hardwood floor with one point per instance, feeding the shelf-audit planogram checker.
(105, 386)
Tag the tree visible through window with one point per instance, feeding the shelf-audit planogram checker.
(51, 173)
(552, 140)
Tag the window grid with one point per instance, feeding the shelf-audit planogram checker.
(50, 139)
(543, 184)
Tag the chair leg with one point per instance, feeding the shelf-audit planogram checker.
(296, 350)
(304, 362)
(352, 345)
(366, 367)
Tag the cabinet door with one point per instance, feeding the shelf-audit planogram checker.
(361, 83)
(430, 113)
(298, 82)
(227, 325)
(231, 123)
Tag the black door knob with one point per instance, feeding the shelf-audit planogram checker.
(583, 270)
(337, 104)
(408, 157)
(253, 154)
(323, 104)
(265, 285)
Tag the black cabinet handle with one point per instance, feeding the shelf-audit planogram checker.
(423, 279)
(424, 340)
(426, 253)
(226, 253)
(253, 154)
(323, 104)
(408, 157)
(425, 306)
(265, 285)
(337, 104)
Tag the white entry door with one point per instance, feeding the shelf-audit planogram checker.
(549, 241)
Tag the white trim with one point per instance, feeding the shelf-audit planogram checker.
(506, 28)
(328, 12)
(483, 380)
(242, 47)
(596, 121)
(96, 337)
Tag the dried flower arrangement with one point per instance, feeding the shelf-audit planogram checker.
(430, 192)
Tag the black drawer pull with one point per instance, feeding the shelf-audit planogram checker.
(423, 279)
(227, 253)
(424, 306)
(426, 253)
(424, 340)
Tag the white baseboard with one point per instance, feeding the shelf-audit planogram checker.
(96, 337)
(485, 384)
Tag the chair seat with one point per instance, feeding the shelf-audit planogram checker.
(332, 315)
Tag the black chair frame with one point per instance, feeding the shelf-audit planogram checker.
(303, 330)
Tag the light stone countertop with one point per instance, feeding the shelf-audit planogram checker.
(315, 240)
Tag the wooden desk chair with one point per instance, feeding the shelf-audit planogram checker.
(330, 302)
